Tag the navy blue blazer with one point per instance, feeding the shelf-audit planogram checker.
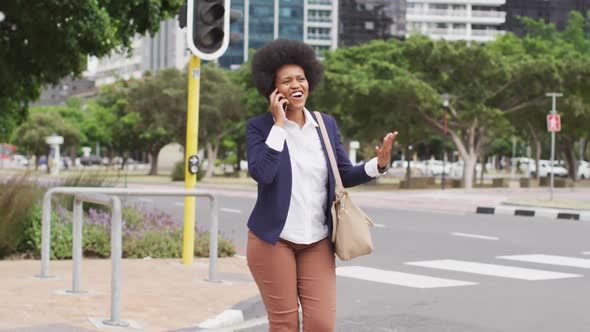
(272, 170)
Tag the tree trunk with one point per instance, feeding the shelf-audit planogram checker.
(212, 157)
(73, 155)
(582, 144)
(570, 158)
(154, 162)
(239, 152)
(49, 162)
(408, 157)
(408, 168)
(469, 150)
(483, 168)
(469, 164)
(537, 142)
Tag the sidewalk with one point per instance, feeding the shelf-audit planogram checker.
(158, 294)
(436, 200)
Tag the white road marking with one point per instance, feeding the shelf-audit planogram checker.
(475, 236)
(553, 260)
(397, 278)
(493, 270)
(586, 253)
(379, 225)
(230, 210)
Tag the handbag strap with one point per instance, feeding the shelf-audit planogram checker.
(334, 166)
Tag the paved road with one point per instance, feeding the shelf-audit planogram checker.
(451, 271)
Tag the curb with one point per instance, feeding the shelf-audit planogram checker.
(528, 211)
(237, 314)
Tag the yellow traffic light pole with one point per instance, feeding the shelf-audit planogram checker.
(190, 180)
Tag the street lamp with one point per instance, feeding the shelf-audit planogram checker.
(445, 97)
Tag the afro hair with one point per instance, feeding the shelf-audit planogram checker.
(272, 56)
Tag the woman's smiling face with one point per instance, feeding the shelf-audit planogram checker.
(290, 81)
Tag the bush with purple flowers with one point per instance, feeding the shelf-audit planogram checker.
(146, 231)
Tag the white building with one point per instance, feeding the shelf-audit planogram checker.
(164, 50)
(476, 20)
(320, 24)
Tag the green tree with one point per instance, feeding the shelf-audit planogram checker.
(157, 107)
(370, 94)
(565, 59)
(31, 134)
(43, 41)
(72, 115)
(109, 121)
(220, 113)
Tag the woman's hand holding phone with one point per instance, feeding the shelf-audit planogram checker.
(278, 106)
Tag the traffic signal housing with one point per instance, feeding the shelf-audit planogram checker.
(208, 27)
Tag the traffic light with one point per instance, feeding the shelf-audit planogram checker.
(208, 27)
(234, 16)
(193, 164)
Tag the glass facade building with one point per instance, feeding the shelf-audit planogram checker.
(311, 21)
(550, 11)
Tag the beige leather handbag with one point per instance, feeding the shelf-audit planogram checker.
(351, 232)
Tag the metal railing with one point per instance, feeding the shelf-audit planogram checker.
(116, 250)
(97, 195)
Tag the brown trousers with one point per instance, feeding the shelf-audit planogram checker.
(288, 272)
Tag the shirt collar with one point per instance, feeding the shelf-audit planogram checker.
(309, 119)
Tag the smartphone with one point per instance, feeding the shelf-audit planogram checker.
(284, 105)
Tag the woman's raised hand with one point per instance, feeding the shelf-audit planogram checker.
(277, 107)
(384, 152)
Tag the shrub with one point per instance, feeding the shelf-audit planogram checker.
(156, 244)
(146, 232)
(17, 197)
(178, 172)
(61, 233)
(224, 249)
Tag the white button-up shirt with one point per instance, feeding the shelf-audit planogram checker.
(306, 217)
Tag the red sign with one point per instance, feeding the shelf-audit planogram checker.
(553, 122)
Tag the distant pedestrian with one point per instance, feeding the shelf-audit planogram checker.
(289, 250)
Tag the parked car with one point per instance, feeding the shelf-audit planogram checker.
(545, 169)
(20, 160)
(456, 169)
(91, 160)
(435, 167)
(584, 170)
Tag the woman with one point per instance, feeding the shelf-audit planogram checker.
(289, 250)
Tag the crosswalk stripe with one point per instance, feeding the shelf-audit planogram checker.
(397, 278)
(550, 259)
(475, 236)
(229, 210)
(493, 270)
